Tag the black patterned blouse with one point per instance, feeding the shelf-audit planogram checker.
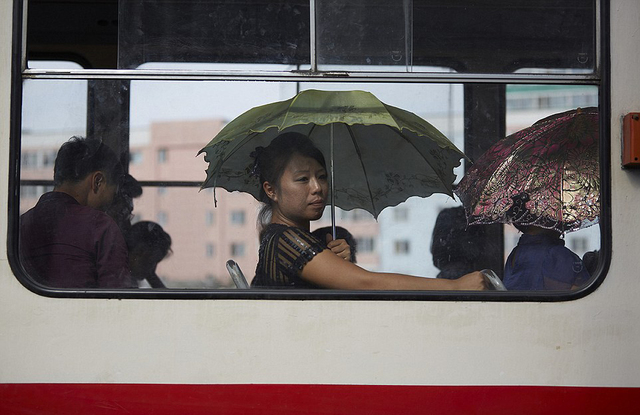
(284, 251)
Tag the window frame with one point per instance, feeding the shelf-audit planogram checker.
(600, 78)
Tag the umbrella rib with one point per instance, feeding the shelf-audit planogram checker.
(399, 132)
(231, 153)
(239, 146)
(364, 169)
(313, 127)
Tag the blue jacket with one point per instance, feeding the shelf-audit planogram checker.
(542, 262)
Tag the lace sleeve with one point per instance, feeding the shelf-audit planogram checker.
(296, 248)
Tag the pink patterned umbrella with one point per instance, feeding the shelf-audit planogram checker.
(545, 175)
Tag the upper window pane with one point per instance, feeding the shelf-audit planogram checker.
(216, 31)
(498, 36)
(172, 120)
(416, 35)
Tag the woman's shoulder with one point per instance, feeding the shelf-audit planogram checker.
(293, 236)
(272, 230)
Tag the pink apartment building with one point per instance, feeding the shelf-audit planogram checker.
(204, 236)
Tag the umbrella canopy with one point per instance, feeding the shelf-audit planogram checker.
(546, 175)
(381, 155)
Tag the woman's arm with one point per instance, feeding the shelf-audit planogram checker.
(328, 270)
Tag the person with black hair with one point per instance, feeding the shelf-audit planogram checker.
(122, 206)
(148, 244)
(590, 260)
(326, 234)
(294, 189)
(455, 247)
(540, 261)
(67, 240)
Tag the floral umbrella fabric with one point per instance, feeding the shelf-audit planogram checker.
(545, 175)
(381, 154)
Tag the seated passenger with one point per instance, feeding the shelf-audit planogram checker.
(122, 205)
(590, 260)
(66, 239)
(294, 190)
(540, 261)
(148, 245)
(326, 234)
(455, 246)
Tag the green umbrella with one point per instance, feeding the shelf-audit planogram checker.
(379, 155)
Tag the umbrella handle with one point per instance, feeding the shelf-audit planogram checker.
(492, 278)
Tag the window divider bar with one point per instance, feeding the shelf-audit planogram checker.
(143, 183)
(312, 36)
(307, 76)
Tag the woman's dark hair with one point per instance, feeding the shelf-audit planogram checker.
(81, 156)
(454, 243)
(518, 214)
(271, 161)
(341, 233)
(122, 204)
(149, 235)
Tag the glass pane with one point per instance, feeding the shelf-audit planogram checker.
(85, 32)
(199, 110)
(499, 36)
(203, 237)
(418, 35)
(179, 118)
(527, 104)
(172, 121)
(223, 32)
(52, 112)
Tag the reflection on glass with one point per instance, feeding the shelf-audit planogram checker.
(197, 31)
(416, 35)
(572, 155)
(179, 118)
(401, 36)
(201, 245)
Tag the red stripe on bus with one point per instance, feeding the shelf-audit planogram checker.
(159, 399)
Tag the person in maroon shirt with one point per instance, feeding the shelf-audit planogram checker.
(66, 239)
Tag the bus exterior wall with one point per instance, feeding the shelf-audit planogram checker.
(102, 356)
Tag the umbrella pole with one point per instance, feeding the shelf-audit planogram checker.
(333, 201)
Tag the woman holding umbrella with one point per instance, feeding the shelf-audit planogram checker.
(294, 189)
(540, 261)
(544, 180)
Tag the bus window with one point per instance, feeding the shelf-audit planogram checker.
(477, 80)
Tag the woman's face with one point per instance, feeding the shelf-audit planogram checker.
(301, 194)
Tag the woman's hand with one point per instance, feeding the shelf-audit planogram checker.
(339, 247)
(474, 281)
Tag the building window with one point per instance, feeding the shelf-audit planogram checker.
(136, 157)
(401, 214)
(401, 247)
(163, 218)
(162, 155)
(29, 160)
(237, 249)
(30, 191)
(238, 217)
(365, 244)
(579, 244)
(49, 158)
(209, 250)
(209, 218)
